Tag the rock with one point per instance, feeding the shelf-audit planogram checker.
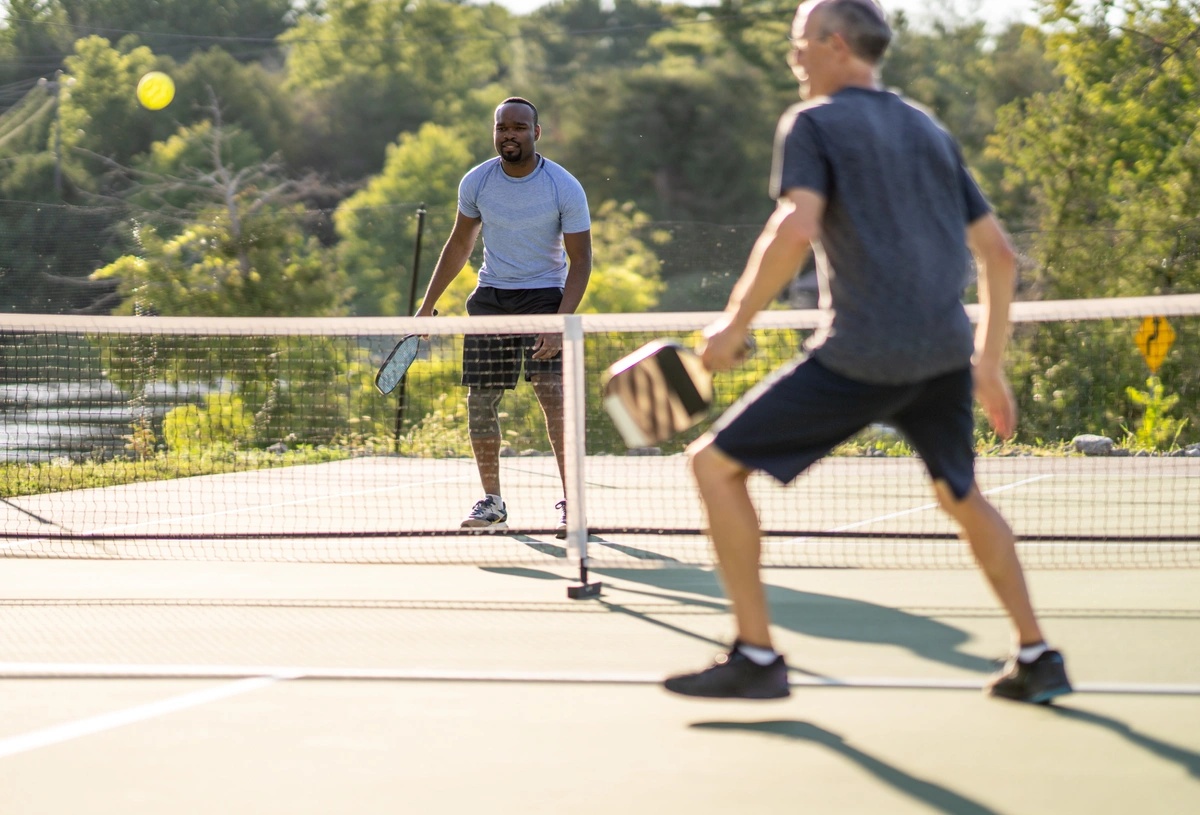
(1092, 445)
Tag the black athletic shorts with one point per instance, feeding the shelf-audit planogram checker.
(797, 415)
(494, 360)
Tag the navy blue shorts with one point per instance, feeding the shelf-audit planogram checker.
(495, 360)
(800, 413)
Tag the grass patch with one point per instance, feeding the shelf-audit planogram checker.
(62, 474)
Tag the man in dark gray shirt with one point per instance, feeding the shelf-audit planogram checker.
(879, 192)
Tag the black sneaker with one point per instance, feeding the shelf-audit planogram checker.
(1037, 682)
(734, 676)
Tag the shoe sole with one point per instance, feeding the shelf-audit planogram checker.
(484, 527)
(783, 695)
(1043, 698)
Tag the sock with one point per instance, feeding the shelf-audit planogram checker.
(759, 656)
(1029, 653)
(496, 499)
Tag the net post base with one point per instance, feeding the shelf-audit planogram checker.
(584, 591)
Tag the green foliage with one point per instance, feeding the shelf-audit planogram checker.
(681, 136)
(172, 23)
(222, 420)
(1155, 430)
(378, 227)
(268, 268)
(100, 106)
(1108, 159)
(368, 70)
(64, 474)
(1067, 379)
(441, 432)
(625, 269)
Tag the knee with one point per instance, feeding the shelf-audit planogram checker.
(709, 464)
(483, 412)
(946, 498)
(546, 384)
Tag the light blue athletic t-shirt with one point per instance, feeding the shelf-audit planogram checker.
(524, 220)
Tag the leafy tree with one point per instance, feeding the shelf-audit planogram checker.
(377, 227)
(244, 252)
(100, 114)
(1110, 164)
(48, 246)
(686, 136)
(626, 274)
(369, 70)
(1109, 159)
(180, 27)
(33, 41)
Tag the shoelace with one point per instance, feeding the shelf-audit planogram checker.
(481, 508)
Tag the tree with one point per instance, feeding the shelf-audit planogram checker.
(369, 70)
(1109, 159)
(33, 41)
(48, 246)
(244, 251)
(180, 27)
(686, 136)
(377, 227)
(101, 114)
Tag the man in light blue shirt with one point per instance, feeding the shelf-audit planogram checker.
(537, 258)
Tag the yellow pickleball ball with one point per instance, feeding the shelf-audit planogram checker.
(155, 90)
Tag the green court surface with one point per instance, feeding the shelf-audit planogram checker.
(212, 687)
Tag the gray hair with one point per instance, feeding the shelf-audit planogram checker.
(861, 23)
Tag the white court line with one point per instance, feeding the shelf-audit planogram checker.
(267, 674)
(925, 507)
(68, 731)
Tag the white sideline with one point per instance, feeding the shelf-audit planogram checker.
(266, 674)
(79, 728)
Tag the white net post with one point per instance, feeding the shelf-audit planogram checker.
(574, 436)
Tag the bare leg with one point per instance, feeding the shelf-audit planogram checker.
(549, 391)
(487, 459)
(736, 537)
(994, 546)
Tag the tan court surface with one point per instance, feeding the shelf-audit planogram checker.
(457, 689)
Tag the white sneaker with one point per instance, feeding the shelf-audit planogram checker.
(489, 512)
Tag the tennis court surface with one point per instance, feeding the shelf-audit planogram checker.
(199, 687)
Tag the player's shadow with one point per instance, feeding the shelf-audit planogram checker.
(820, 615)
(815, 615)
(1187, 759)
(932, 795)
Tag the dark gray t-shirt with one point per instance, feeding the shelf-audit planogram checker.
(892, 260)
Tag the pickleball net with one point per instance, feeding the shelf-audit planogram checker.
(265, 439)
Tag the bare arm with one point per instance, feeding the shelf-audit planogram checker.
(454, 257)
(780, 251)
(579, 256)
(997, 265)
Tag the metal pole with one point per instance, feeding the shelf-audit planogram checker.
(416, 264)
(412, 304)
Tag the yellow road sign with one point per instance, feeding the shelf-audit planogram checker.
(1154, 339)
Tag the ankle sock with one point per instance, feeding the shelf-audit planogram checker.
(1030, 653)
(756, 654)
